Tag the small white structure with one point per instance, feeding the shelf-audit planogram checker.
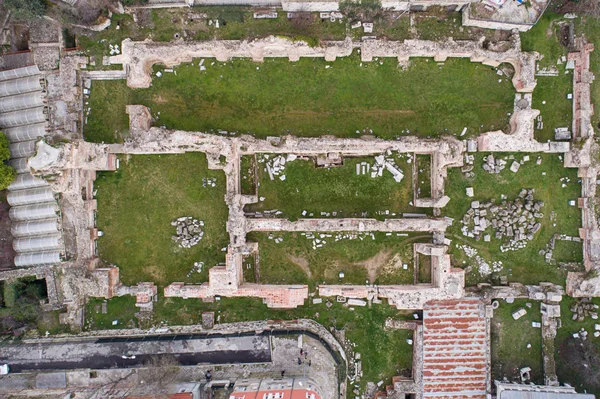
(517, 314)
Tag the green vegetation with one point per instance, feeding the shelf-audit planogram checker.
(338, 191)
(198, 23)
(550, 94)
(423, 165)
(25, 9)
(424, 272)
(249, 268)
(122, 309)
(363, 326)
(21, 304)
(544, 38)
(510, 339)
(248, 174)
(550, 97)
(136, 205)
(7, 173)
(559, 216)
(108, 122)
(590, 27)
(577, 360)
(568, 251)
(306, 98)
(294, 261)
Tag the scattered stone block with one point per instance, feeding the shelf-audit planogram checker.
(357, 302)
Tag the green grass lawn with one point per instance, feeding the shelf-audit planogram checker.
(423, 175)
(335, 189)
(363, 326)
(577, 361)
(294, 261)
(590, 27)
(544, 38)
(122, 309)
(248, 174)
(557, 110)
(305, 98)
(548, 188)
(136, 205)
(108, 122)
(510, 338)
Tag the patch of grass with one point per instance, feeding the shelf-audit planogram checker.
(577, 361)
(557, 110)
(590, 27)
(305, 98)
(336, 189)
(136, 205)
(440, 25)
(249, 266)
(423, 165)
(307, 27)
(294, 261)
(9, 294)
(544, 38)
(49, 322)
(248, 174)
(107, 121)
(510, 338)
(122, 309)
(235, 23)
(548, 188)
(568, 251)
(424, 262)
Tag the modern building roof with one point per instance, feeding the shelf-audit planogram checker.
(455, 351)
(522, 391)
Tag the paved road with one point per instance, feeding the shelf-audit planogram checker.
(107, 353)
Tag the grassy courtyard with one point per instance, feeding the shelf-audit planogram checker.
(313, 97)
(510, 339)
(558, 217)
(136, 205)
(294, 261)
(338, 191)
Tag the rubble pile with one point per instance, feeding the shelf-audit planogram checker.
(484, 267)
(197, 268)
(493, 165)
(467, 170)
(209, 182)
(320, 239)
(276, 166)
(515, 220)
(381, 163)
(584, 308)
(189, 231)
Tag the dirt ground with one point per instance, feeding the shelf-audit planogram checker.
(7, 254)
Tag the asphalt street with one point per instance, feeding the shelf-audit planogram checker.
(109, 353)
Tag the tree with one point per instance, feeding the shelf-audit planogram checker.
(26, 9)
(7, 173)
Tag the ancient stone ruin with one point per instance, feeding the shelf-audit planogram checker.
(515, 220)
(493, 165)
(189, 231)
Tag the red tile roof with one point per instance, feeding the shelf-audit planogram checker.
(455, 355)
